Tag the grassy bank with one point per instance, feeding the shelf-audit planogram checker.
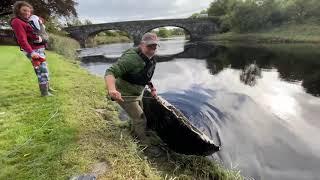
(289, 33)
(109, 39)
(63, 45)
(75, 137)
(75, 132)
(99, 40)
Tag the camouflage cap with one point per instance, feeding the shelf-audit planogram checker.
(150, 38)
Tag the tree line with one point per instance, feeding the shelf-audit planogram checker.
(43, 8)
(169, 32)
(254, 15)
(235, 15)
(50, 10)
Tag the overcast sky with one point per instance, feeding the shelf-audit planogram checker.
(100, 11)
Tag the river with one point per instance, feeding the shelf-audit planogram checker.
(263, 100)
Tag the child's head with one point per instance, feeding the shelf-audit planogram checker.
(35, 22)
(38, 29)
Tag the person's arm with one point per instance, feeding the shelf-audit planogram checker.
(110, 81)
(121, 67)
(21, 36)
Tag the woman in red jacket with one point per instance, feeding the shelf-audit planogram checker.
(27, 39)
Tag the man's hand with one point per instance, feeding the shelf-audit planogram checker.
(152, 89)
(153, 92)
(111, 87)
(115, 95)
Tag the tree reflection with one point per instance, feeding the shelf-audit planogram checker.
(312, 84)
(294, 63)
(249, 74)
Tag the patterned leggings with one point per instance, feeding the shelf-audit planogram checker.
(41, 69)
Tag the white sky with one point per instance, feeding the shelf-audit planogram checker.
(100, 11)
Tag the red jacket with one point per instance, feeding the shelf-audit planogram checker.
(24, 34)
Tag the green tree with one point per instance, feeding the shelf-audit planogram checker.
(44, 8)
(274, 11)
(178, 32)
(112, 33)
(301, 10)
(73, 21)
(54, 26)
(6, 7)
(221, 7)
(205, 11)
(195, 15)
(4, 20)
(163, 32)
(123, 33)
(101, 34)
(253, 15)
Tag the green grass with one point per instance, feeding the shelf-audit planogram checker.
(288, 33)
(68, 134)
(63, 45)
(75, 137)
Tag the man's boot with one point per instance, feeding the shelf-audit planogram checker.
(144, 135)
(44, 90)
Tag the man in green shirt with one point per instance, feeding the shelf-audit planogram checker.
(126, 79)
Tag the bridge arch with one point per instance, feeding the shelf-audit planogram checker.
(197, 28)
(93, 35)
(175, 26)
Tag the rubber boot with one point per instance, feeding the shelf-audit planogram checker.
(138, 129)
(44, 90)
(145, 135)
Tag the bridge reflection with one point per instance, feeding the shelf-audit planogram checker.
(196, 50)
(294, 64)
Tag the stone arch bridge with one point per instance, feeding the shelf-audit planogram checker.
(196, 28)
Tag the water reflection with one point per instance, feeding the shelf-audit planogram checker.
(253, 140)
(196, 50)
(268, 122)
(300, 65)
(250, 73)
(167, 50)
(267, 131)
